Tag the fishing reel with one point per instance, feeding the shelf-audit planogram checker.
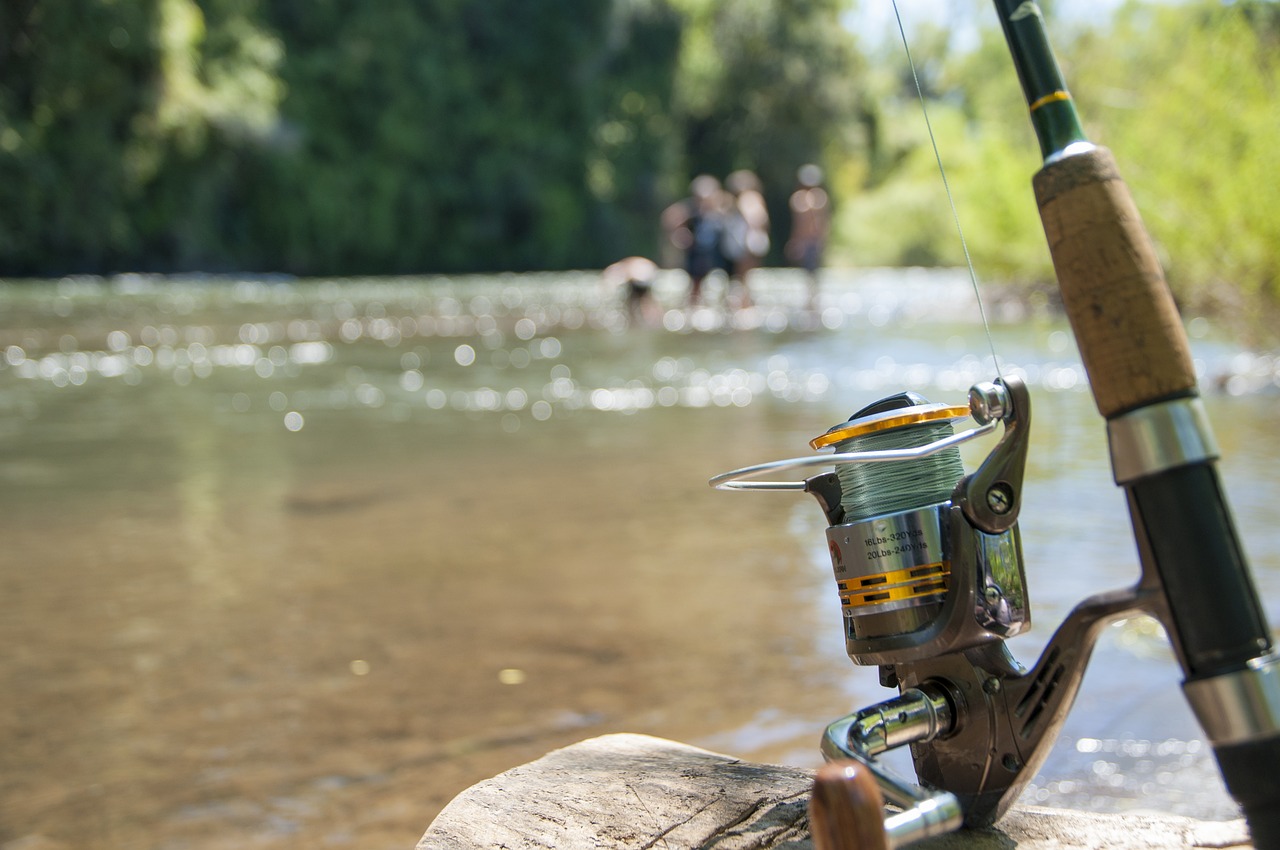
(928, 567)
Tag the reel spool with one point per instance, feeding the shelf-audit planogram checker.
(889, 552)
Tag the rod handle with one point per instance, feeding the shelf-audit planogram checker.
(1113, 287)
(1252, 778)
(846, 810)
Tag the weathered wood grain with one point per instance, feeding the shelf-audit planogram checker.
(628, 792)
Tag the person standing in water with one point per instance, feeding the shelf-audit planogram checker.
(696, 226)
(746, 237)
(810, 226)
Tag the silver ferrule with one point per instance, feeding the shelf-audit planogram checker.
(1160, 437)
(1073, 149)
(913, 716)
(916, 715)
(1237, 707)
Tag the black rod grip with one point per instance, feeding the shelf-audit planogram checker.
(1218, 621)
(1252, 774)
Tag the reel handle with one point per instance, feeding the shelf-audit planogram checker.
(846, 809)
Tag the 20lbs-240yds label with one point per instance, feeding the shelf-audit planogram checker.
(887, 543)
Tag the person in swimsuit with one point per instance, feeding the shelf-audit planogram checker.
(746, 237)
(810, 225)
(634, 276)
(695, 225)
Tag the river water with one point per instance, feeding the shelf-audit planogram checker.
(291, 563)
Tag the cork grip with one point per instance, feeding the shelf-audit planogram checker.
(1123, 315)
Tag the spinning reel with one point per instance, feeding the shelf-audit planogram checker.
(928, 567)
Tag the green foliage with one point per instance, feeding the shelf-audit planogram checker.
(990, 163)
(72, 84)
(215, 106)
(436, 137)
(331, 137)
(1188, 105)
(633, 145)
(902, 216)
(346, 137)
(1185, 96)
(907, 219)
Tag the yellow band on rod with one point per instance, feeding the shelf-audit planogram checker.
(1052, 97)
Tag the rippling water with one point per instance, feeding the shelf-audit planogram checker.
(294, 562)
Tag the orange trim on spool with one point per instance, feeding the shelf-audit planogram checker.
(889, 420)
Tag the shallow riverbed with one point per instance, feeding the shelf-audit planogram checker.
(291, 563)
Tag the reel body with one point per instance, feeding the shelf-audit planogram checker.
(894, 575)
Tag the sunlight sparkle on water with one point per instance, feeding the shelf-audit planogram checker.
(515, 345)
(512, 676)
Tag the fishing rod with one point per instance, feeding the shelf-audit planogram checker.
(928, 560)
(1163, 453)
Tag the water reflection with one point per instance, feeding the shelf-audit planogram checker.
(298, 560)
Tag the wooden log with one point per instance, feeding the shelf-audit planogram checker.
(628, 792)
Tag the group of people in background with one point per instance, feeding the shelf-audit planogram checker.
(725, 227)
(720, 227)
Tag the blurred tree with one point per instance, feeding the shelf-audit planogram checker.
(766, 85)
(340, 137)
(1162, 75)
(461, 136)
(329, 137)
(191, 158)
(634, 147)
(446, 136)
(1187, 99)
(985, 140)
(74, 78)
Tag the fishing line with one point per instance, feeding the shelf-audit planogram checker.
(869, 490)
(973, 275)
(874, 489)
